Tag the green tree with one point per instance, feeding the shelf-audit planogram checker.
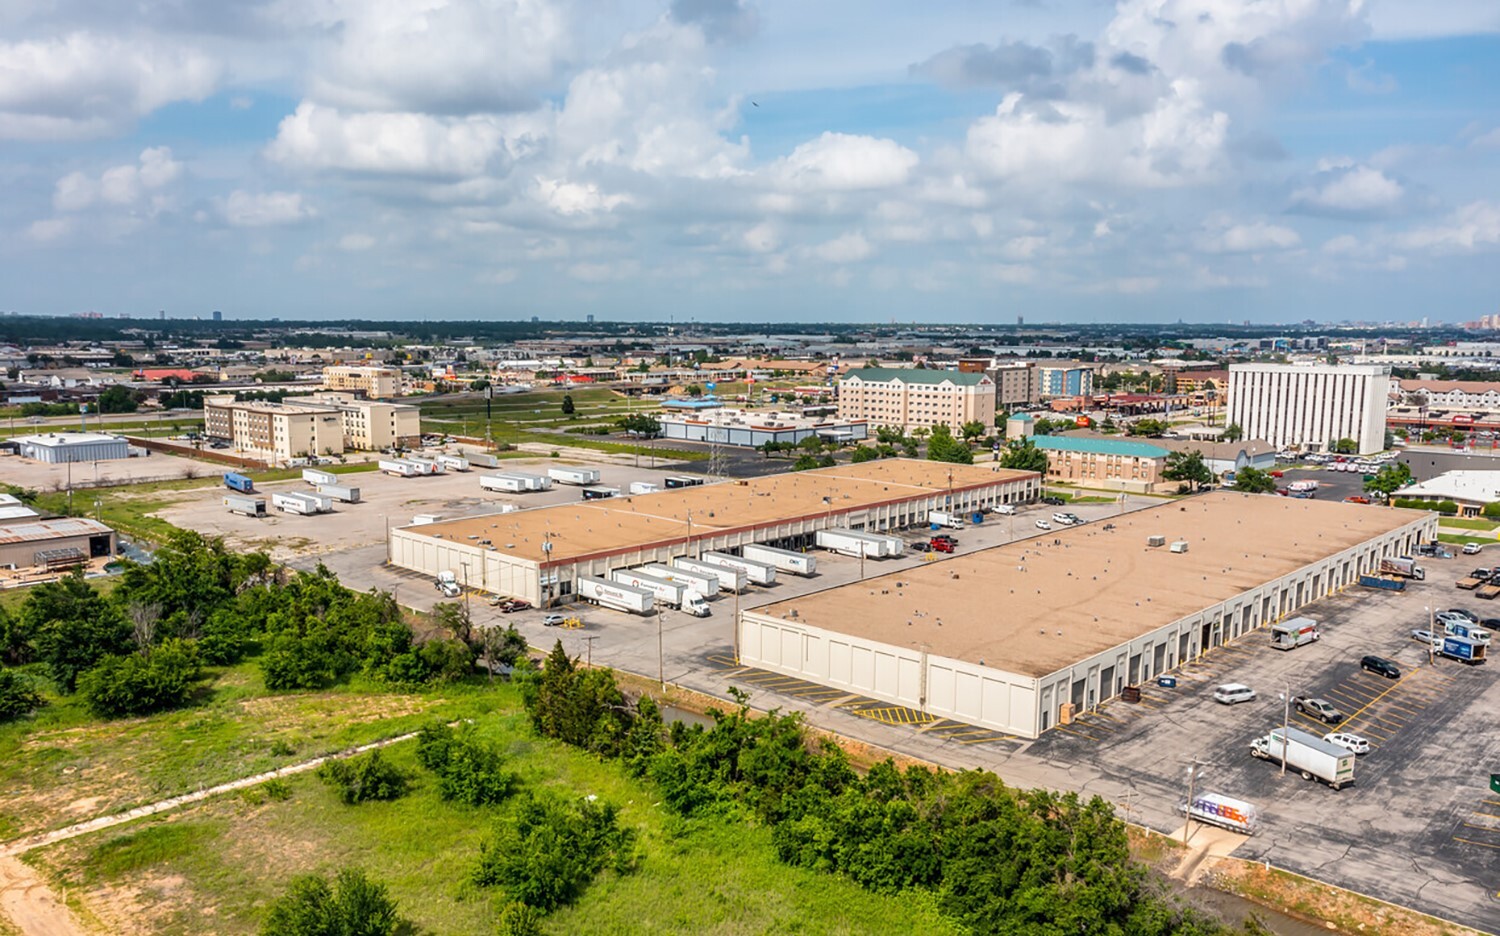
(1188, 467)
(972, 430)
(811, 444)
(353, 906)
(1491, 510)
(567, 404)
(547, 850)
(640, 424)
(15, 639)
(943, 447)
(18, 696)
(1023, 455)
(1152, 428)
(864, 453)
(74, 626)
(1254, 481)
(694, 390)
(1389, 479)
(1232, 433)
(890, 435)
(118, 399)
(805, 462)
(141, 683)
(469, 770)
(1345, 447)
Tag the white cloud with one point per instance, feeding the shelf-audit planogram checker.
(499, 277)
(848, 248)
(593, 272)
(1256, 237)
(49, 229)
(572, 199)
(438, 56)
(318, 137)
(842, 162)
(356, 242)
(268, 209)
(1343, 189)
(762, 239)
(1473, 227)
(81, 85)
(120, 185)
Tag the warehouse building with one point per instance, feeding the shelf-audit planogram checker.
(1018, 637)
(54, 544)
(752, 430)
(59, 447)
(539, 554)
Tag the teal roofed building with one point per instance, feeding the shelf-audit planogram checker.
(1132, 465)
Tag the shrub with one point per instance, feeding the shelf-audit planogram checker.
(140, 684)
(277, 789)
(17, 696)
(1447, 508)
(517, 919)
(368, 777)
(353, 906)
(469, 771)
(547, 850)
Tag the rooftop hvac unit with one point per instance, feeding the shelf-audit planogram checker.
(1180, 546)
(1156, 541)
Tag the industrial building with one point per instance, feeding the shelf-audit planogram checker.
(59, 447)
(539, 554)
(752, 430)
(1018, 637)
(54, 544)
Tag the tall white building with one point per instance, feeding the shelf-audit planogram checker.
(1310, 406)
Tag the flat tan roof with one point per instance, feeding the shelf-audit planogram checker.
(1040, 604)
(625, 523)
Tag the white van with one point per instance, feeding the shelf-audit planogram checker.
(1230, 693)
(1005, 509)
(1066, 519)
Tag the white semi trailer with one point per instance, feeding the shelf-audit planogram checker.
(509, 484)
(453, 462)
(315, 477)
(857, 542)
(730, 579)
(756, 573)
(581, 477)
(783, 559)
(399, 467)
(340, 492)
(296, 502)
(704, 583)
(615, 595)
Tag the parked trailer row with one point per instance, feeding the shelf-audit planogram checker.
(615, 595)
(785, 560)
(580, 477)
(346, 493)
(513, 483)
(248, 506)
(400, 467)
(728, 578)
(297, 502)
(705, 584)
(426, 466)
(453, 462)
(857, 543)
(316, 477)
(667, 592)
(755, 573)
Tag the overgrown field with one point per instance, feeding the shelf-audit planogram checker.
(216, 867)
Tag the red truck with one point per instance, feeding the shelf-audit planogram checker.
(941, 545)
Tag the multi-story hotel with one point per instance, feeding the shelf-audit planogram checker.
(917, 399)
(373, 382)
(1310, 405)
(319, 424)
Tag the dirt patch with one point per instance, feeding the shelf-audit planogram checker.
(32, 906)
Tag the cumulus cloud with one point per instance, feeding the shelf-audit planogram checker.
(1255, 237)
(121, 185)
(440, 57)
(848, 248)
(1008, 64)
(762, 238)
(720, 20)
(81, 85)
(356, 242)
(1348, 190)
(572, 199)
(266, 209)
(319, 137)
(1475, 226)
(844, 162)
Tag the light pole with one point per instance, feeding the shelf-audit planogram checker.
(468, 607)
(661, 660)
(1286, 724)
(1187, 815)
(736, 627)
(589, 642)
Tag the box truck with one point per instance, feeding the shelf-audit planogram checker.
(704, 583)
(940, 519)
(1293, 632)
(643, 487)
(315, 477)
(453, 462)
(782, 559)
(340, 492)
(1466, 630)
(607, 594)
(249, 506)
(238, 482)
(399, 467)
(728, 577)
(1404, 566)
(576, 476)
(756, 573)
(1463, 650)
(1307, 754)
(1222, 811)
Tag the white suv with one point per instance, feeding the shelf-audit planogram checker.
(1230, 693)
(1066, 519)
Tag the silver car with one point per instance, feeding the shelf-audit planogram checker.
(1351, 742)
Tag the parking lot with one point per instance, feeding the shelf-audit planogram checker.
(41, 476)
(1419, 827)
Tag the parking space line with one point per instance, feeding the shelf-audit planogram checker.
(1486, 815)
(1471, 842)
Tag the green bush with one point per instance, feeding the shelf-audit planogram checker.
(1491, 511)
(353, 906)
(17, 696)
(367, 777)
(547, 850)
(517, 919)
(1447, 508)
(469, 771)
(139, 684)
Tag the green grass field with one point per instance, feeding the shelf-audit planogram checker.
(216, 866)
(1468, 523)
(1460, 539)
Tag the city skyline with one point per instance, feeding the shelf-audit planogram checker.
(712, 160)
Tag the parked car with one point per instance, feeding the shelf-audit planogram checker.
(1043, 525)
(1422, 635)
(1351, 742)
(1321, 709)
(514, 605)
(1051, 501)
(1471, 549)
(922, 546)
(1380, 666)
(1231, 693)
(1357, 499)
(942, 546)
(946, 538)
(553, 620)
(1005, 508)
(1464, 613)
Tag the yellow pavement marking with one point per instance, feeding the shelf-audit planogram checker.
(1486, 815)
(998, 737)
(1471, 842)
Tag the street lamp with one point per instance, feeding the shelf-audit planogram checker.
(1187, 814)
(1286, 723)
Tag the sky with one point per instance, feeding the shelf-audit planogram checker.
(752, 160)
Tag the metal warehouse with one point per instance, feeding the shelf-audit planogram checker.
(58, 543)
(538, 554)
(1014, 637)
(59, 447)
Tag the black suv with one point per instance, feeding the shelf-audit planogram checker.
(1380, 666)
(1053, 501)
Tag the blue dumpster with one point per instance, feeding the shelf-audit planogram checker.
(1167, 682)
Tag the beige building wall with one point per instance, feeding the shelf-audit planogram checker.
(918, 399)
(372, 425)
(275, 431)
(373, 382)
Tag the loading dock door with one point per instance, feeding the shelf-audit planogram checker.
(1078, 694)
(1135, 668)
(1107, 686)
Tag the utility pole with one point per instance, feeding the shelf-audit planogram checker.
(589, 641)
(1187, 816)
(737, 627)
(1286, 723)
(661, 660)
